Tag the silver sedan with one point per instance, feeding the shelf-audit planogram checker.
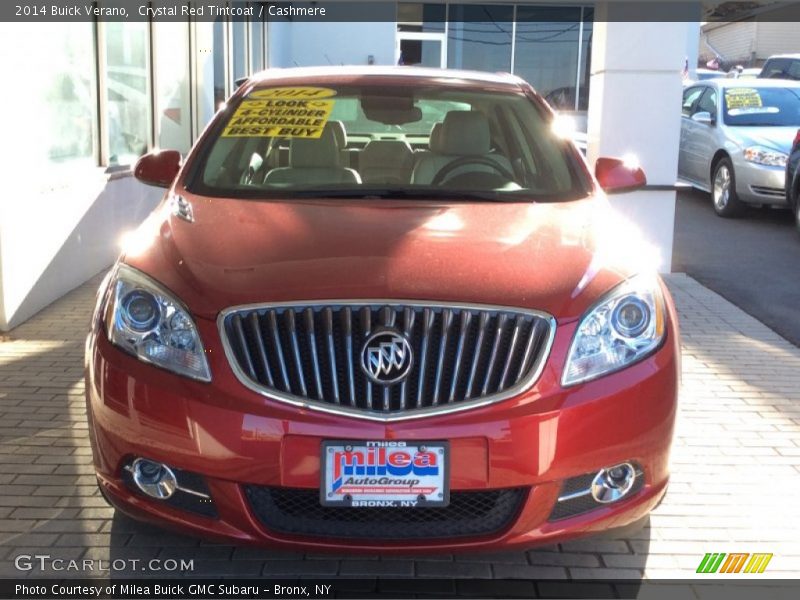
(736, 136)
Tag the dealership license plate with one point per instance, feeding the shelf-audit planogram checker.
(384, 474)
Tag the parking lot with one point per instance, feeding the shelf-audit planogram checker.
(752, 261)
(736, 467)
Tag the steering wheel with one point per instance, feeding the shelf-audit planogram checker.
(470, 160)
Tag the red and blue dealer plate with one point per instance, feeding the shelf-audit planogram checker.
(384, 474)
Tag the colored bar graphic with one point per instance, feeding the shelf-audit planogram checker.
(758, 563)
(734, 563)
(712, 562)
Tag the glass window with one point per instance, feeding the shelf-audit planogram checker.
(491, 146)
(126, 90)
(424, 53)
(584, 73)
(219, 52)
(416, 16)
(55, 121)
(708, 103)
(257, 52)
(761, 107)
(173, 100)
(239, 48)
(690, 96)
(546, 52)
(479, 37)
(781, 68)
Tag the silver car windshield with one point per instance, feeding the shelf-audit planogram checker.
(764, 107)
(388, 141)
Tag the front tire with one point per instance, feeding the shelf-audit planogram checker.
(794, 199)
(797, 213)
(723, 190)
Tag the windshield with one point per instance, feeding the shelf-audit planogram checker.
(360, 141)
(764, 107)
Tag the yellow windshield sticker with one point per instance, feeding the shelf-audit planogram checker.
(299, 112)
(297, 93)
(739, 98)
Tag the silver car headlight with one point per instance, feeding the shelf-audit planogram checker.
(145, 320)
(628, 324)
(765, 156)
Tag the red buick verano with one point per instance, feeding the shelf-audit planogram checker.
(384, 309)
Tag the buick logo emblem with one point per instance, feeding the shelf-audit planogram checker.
(386, 357)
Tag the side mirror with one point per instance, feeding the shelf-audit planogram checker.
(615, 175)
(703, 117)
(158, 168)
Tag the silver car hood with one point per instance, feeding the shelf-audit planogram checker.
(774, 138)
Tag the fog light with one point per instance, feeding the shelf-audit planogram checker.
(154, 479)
(613, 483)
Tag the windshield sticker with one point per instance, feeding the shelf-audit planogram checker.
(755, 110)
(737, 98)
(282, 112)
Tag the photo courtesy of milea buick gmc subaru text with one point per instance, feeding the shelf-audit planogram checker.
(384, 309)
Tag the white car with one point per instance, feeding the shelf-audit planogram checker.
(736, 136)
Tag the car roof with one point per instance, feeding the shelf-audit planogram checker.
(757, 83)
(797, 56)
(358, 72)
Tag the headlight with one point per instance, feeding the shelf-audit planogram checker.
(627, 325)
(765, 156)
(145, 320)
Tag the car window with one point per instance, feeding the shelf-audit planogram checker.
(753, 106)
(398, 141)
(707, 103)
(781, 68)
(690, 96)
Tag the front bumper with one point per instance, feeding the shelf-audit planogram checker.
(760, 184)
(234, 438)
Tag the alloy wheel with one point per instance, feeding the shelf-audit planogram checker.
(722, 187)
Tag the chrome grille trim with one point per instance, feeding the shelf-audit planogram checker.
(412, 398)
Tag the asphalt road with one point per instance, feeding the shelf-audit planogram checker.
(753, 261)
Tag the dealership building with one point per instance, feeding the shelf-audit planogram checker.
(87, 98)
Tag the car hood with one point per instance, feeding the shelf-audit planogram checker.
(775, 138)
(554, 257)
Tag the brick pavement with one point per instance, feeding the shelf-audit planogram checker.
(735, 482)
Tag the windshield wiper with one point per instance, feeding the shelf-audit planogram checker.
(400, 194)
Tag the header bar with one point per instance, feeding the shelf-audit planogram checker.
(332, 11)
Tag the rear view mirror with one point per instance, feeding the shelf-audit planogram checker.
(616, 175)
(390, 110)
(158, 168)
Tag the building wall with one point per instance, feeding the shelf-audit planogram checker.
(304, 44)
(736, 42)
(776, 38)
(104, 94)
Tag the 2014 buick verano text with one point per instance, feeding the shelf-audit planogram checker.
(384, 310)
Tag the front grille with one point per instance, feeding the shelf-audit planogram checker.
(311, 354)
(298, 511)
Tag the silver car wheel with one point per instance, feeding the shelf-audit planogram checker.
(722, 187)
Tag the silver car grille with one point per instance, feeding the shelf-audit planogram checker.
(310, 354)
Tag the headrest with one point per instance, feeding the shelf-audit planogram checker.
(385, 153)
(340, 133)
(465, 133)
(309, 153)
(435, 141)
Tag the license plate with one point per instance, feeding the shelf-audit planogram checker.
(384, 474)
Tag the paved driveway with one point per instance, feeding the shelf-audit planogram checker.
(736, 466)
(753, 261)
